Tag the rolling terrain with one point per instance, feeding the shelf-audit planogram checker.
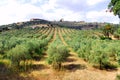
(51, 52)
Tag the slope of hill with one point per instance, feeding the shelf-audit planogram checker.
(20, 25)
(68, 24)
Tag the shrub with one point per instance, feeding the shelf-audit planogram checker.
(107, 30)
(35, 48)
(104, 38)
(17, 54)
(119, 58)
(118, 30)
(104, 62)
(57, 55)
(118, 77)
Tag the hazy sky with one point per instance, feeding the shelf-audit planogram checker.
(73, 10)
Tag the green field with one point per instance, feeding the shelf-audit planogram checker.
(22, 50)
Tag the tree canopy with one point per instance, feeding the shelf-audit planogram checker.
(114, 6)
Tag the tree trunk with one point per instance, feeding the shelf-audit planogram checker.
(56, 66)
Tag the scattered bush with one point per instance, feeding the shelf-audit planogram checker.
(108, 30)
(57, 55)
(18, 54)
(104, 64)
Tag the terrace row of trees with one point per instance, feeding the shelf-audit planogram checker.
(22, 46)
(25, 45)
(89, 46)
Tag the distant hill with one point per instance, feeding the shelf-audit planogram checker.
(80, 25)
(69, 24)
(20, 25)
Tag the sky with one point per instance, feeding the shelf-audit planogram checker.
(12, 11)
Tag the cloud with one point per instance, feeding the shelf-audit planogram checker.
(15, 11)
(101, 16)
(74, 5)
(94, 2)
(74, 10)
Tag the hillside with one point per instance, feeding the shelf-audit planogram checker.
(55, 53)
(41, 23)
(21, 25)
(81, 25)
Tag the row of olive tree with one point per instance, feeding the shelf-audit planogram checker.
(18, 47)
(89, 46)
(57, 53)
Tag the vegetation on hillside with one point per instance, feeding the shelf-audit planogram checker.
(23, 45)
(93, 49)
(18, 48)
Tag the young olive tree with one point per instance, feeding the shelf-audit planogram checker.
(18, 54)
(57, 55)
(108, 30)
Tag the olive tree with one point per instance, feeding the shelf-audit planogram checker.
(108, 30)
(18, 54)
(57, 55)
